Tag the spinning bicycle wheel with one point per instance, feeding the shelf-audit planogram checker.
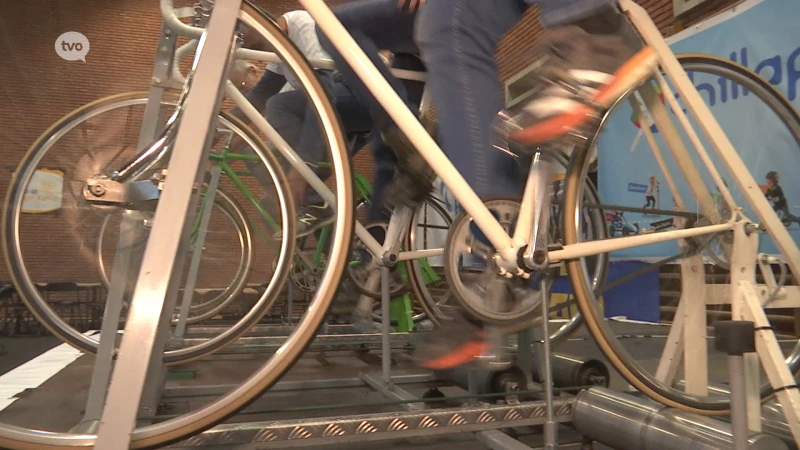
(214, 412)
(83, 143)
(762, 99)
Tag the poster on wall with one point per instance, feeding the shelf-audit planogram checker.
(44, 192)
(764, 37)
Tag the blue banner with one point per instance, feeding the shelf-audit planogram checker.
(763, 36)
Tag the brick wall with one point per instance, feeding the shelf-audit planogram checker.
(38, 88)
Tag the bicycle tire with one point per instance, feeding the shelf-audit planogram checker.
(174, 430)
(416, 279)
(598, 328)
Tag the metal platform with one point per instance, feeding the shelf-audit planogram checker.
(335, 399)
(376, 427)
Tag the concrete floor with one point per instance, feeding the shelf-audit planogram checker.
(58, 404)
(15, 351)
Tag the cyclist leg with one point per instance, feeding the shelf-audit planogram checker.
(289, 113)
(787, 215)
(384, 163)
(296, 121)
(375, 25)
(458, 40)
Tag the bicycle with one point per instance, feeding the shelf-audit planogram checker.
(572, 251)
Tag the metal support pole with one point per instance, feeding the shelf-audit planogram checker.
(197, 250)
(472, 387)
(743, 265)
(383, 382)
(738, 402)
(162, 68)
(737, 338)
(104, 359)
(550, 424)
(386, 321)
(525, 353)
(125, 262)
(158, 278)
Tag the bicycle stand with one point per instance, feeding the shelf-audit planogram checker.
(128, 257)
(743, 294)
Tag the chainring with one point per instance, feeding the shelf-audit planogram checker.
(475, 281)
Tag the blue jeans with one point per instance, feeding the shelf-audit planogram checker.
(379, 25)
(291, 116)
(375, 25)
(458, 40)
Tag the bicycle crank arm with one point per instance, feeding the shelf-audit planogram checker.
(106, 191)
(534, 256)
(398, 224)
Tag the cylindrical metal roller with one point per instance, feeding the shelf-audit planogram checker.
(484, 381)
(774, 422)
(625, 422)
(570, 371)
(772, 419)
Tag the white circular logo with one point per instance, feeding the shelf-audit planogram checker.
(72, 46)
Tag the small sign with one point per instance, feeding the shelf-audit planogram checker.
(44, 192)
(662, 224)
(636, 187)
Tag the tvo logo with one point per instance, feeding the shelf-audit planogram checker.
(72, 46)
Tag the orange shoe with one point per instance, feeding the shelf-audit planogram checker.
(581, 77)
(455, 343)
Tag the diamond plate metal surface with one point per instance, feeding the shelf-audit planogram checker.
(379, 426)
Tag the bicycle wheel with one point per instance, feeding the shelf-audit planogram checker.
(208, 415)
(227, 293)
(425, 277)
(431, 288)
(426, 272)
(631, 369)
(47, 150)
